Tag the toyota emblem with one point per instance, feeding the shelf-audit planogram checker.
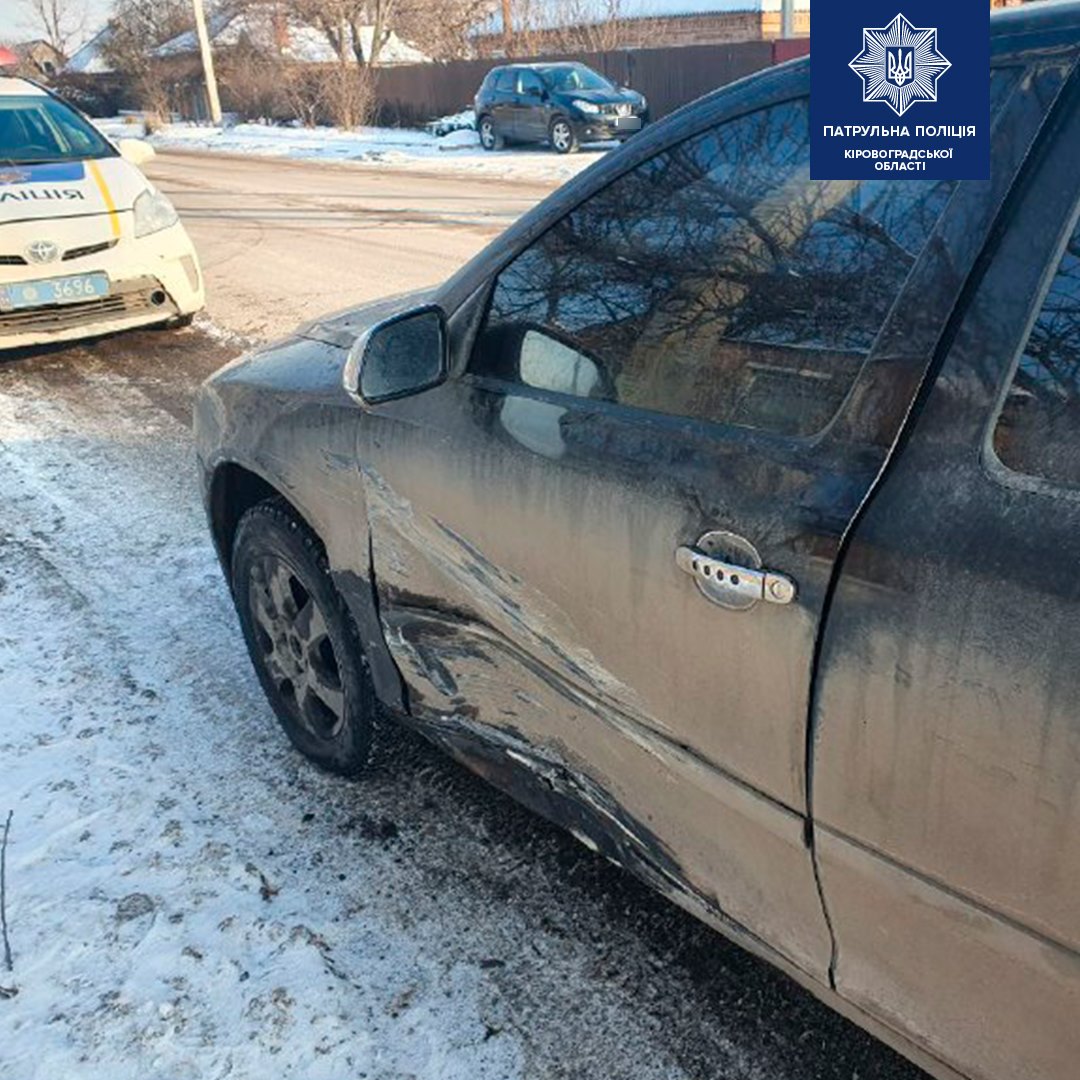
(42, 251)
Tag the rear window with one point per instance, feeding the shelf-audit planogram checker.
(37, 129)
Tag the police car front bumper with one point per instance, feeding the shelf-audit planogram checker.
(152, 279)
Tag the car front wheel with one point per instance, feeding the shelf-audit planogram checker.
(563, 137)
(490, 139)
(302, 640)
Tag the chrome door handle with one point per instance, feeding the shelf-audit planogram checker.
(732, 584)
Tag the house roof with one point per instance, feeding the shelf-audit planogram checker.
(551, 14)
(303, 43)
(88, 60)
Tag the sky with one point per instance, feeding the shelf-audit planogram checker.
(16, 23)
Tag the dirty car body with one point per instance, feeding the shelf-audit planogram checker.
(745, 549)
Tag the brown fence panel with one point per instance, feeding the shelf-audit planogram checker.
(668, 77)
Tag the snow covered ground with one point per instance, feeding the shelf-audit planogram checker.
(190, 900)
(392, 148)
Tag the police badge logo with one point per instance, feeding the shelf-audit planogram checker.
(900, 64)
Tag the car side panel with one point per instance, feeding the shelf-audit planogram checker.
(946, 779)
(972, 988)
(493, 650)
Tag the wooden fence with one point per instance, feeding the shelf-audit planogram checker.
(668, 77)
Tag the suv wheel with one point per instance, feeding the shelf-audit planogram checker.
(490, 139)
(302, 640)
(563, 137)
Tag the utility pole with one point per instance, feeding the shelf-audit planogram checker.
(207, 62)
(508, 28)
(787, 8)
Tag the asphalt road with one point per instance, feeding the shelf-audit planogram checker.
(587, 974)
(282, 241)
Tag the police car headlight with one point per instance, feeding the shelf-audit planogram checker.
(153, 212)
(586, 106)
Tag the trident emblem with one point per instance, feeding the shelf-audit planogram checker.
(900, 66)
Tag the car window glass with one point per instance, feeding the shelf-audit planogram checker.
(38, 129)
(529, 81)
(505, 82)
(575, 78)
(717, 281)
(1038, 429)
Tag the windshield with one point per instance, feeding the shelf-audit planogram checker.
(35, 129)
(574, 78)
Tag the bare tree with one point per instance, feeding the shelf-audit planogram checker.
(440, 28)
(59, 22)
(136, 29)
(568, 26)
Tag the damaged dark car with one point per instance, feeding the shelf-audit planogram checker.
(730, 519)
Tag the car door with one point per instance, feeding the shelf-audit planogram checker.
(531, 109)
(946, 788)
(687, 382)
(504, 101)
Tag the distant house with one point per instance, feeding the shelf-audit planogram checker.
(551, 25)
(38, 58)
(265, 29)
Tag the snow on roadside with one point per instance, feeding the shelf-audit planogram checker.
(188, 899)
(169, 919)
(458, 151)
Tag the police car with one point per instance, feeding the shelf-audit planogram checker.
(88, 245)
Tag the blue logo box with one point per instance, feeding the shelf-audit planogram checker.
(900, 88)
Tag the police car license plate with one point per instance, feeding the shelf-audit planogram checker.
(64, 290)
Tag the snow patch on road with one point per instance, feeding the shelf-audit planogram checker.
(458, 151)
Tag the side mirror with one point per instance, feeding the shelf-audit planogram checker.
(135, 151)
(400, 357)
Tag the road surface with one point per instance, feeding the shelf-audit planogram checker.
(282, 242)
(187, 898)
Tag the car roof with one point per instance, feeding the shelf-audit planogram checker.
(1047, 15)
(11, 86)
(545, 65)
(1050, 24)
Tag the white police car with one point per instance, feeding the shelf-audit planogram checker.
(87, 244)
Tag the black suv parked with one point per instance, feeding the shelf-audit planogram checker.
(563, 104)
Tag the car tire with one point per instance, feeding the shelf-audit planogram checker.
(490, 137)
(562, 136)
(302, 640)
